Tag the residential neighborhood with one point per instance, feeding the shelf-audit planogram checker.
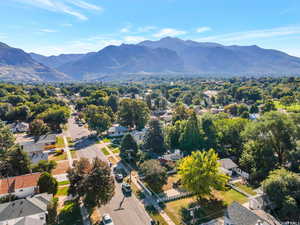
(189, 169)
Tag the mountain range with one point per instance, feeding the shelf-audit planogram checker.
(17, 65)
(165, 56)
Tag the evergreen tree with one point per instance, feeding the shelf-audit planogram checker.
(191, 138)
(113, 103)
(154, 138)
(129, 147)
(47, 183)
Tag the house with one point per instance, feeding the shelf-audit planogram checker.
(236, 214)
(231, 169)
(29, 211)
(20, 186)
(138, 136)
(19, 127)
(228, 166)
(174, 156)
(35, 151)
(259, 202)
(216, 110)
(47, 139)
(117, 130)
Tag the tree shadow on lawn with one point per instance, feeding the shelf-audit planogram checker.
(209, 209)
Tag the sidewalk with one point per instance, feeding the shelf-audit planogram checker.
(67, 149)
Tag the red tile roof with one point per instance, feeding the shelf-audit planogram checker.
(12, 183)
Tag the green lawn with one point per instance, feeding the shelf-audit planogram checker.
(65, 182)
(210, 208)
(106, 140)
(249, 190)
(58, 157)
(70, 214)
(105, 152)
(291, 108)
(116, 151)
(62, 191)
(60, 142)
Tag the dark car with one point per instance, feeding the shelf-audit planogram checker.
(126, 188)
(119, 177)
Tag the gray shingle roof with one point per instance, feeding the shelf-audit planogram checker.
(24, 207)
(240, 215)
(227, 163)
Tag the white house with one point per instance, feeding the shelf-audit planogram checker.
(174, 156)
(231, 169)
(29, 211)
(117, 131)
(19, 127)
(139, 135)
(20, 186)
(35, 151)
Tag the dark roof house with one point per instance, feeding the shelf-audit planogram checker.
(236, 214)
(29, 211)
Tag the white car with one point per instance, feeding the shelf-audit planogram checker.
(106, 220)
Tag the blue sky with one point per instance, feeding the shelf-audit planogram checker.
(76, 26)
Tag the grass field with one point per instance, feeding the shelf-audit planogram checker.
(58, 157)
(105, 151)
(60, 142)
(65, 182)
(62, 191)
(210, 208)
(246, 188)
(116, 151)
(291, 108)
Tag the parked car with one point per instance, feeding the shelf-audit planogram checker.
(126, 188)
(107, 220)
(119, 177)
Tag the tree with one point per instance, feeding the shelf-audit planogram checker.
(200, 174)
(276, 130)
(99, 118)
(268, 106)
(52, 211)
(47, 183)
(44, 166)
(229, 138)
(283, 189)
(126, 116)
(191, 138)
(7, 138)
(17, 161)
(113, 103)
(129, 147)
(154, 138)
(149, 101)
(180, 113)
(93, 182)
(270, 142)
(140, 114)
(210, 132)
(56, 116)
(155, 175)
(37, 128)
(173, 132)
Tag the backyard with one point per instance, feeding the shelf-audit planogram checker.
(211, 208)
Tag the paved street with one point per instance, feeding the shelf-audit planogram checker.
(132, 211)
